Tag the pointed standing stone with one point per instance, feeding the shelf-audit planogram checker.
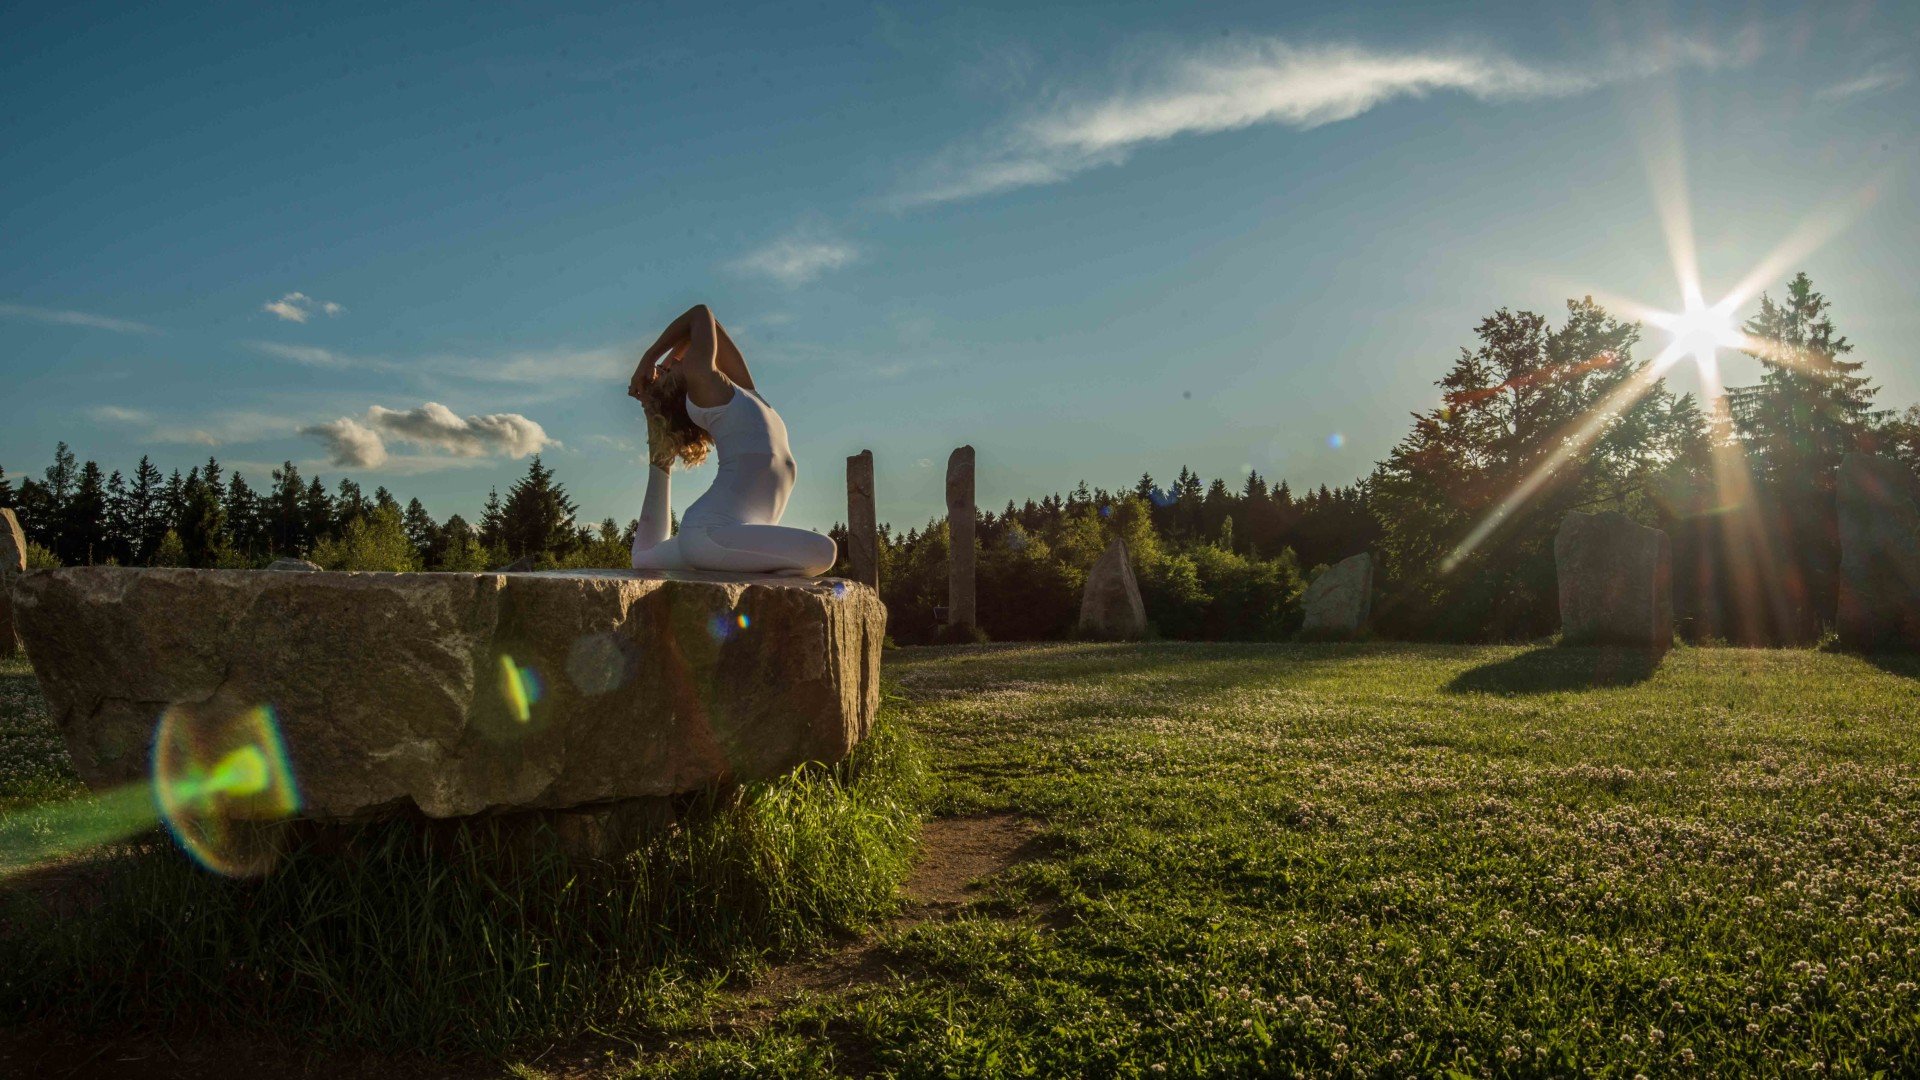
(863, 538)
(1110, 607)
(13, 563)
(960, 512)
(1338, 602)
(1879, 554)
(1616, 582)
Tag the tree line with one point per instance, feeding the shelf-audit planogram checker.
(1534, 419)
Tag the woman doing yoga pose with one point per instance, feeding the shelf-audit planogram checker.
(697, 393)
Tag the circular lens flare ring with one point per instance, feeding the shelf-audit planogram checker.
(218, 780)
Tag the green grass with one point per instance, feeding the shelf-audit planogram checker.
(478, 945)
(1385, 860)
(1400, 860)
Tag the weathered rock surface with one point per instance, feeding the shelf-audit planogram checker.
(1616, 581)
(392, 690)
(863, 537)
(1338, 602)
(1879, 554)
(1110, 605)
(13, 563)
(294, 565)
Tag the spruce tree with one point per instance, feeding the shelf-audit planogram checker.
(421, 531)
(119, 530)
(285, 513)
(146, 518)
(538, 516)
(83, 525)
(6, 489)
(242, 509)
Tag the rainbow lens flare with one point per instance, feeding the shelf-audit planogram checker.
(218, 780)
(521, 687)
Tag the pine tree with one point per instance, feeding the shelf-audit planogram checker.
(284, 513)
(421, 531)
(492, 520)
(538, 516)
(6, 489)
(83, 525)
(242, 509)
(119, 528)
(317, 514)
(201, 525)
(348, 503)
(173, 501)
(146, 518)
(384, 499)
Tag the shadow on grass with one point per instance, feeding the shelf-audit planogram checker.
(1904, 664)
(1551, 669)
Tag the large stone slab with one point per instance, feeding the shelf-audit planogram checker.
(462, 694)
(1616, 581)
(1110, 605)
(1338, 602)
(1879, 590)
(13, 563)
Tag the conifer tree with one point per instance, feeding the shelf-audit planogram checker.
(538, 516)
(146, 518)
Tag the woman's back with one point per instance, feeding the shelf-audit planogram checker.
(757, 470)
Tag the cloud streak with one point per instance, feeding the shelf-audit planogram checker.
(298, 307)
(1872, 81)
(218, 429)
(77, 318)
(797, 258)
(1263, 82)
(361, 442)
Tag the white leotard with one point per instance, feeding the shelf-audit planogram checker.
(735, 525)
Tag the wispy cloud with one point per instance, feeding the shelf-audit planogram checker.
(1249, 84)
(525, 366)
(299, 307)
(1874, 80)
(361, 442)
(77, 318)
(797, 258)
(215, 429)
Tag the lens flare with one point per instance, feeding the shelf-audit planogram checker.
(840, 587)
(1336, 440)
(600, 663)
(743, 620)
(49, 831)
(521, 687)
(218, 780)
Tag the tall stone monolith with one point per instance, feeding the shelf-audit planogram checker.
(863, 537)
(1338, 602)
(1110, 606)
(1879, 554)
(1616, 582)
(960, 515)
(13, 563)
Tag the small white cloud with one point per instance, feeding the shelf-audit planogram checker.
(118, 414)
(350, 443)
(1872, 81)
(77, 318)
(924, 463)
(797, 258)
(218, 429)
(299, 307)
(315, 356)
(361, 442)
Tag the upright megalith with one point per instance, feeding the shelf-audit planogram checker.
(13, 563)
(1879, 554)
(863, 529)
(450, 695)
(960, 515)
(1338, 602)
(1110, 606)
(1616, 581)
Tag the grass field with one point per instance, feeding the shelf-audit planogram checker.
(1381, 860)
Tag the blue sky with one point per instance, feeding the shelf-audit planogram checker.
(413, 243)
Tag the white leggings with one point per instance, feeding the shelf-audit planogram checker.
(748, 549)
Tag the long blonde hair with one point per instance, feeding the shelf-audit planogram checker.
(666, 399)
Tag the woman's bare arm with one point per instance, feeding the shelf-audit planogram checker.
(731, 363)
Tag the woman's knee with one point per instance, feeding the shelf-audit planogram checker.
(820, 555)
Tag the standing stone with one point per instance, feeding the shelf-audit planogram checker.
(1879, 554)
(1339, 600)
(1110, 607)
(863, 530)
(1616, 582)
(13, 563)
(960, 513)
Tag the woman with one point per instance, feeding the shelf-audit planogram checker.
(697, 393)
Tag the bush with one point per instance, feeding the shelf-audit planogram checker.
(398, 942)
(41, 558)
(377, 541)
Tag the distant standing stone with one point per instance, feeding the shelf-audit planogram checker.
(13, 563)
(960, 511)
(1339, 600)
(1110, 607)
(863, 536)
(1616, 582)
(1879, 554)
(295, 565)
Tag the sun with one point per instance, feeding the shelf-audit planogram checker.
(1699, 329)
